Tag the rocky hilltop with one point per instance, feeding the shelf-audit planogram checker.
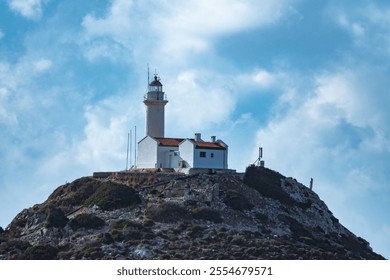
(164, 215)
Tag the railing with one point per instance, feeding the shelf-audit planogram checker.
(155, 96)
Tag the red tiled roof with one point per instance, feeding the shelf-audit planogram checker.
(172, 142)
(209, 145)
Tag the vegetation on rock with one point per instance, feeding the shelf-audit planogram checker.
(207, 214)
(267, 183)
(237, 201)
(173, 216)
(74, 193)
(112, 196)
(167, 212)
(55, 217)
(86, 221)
(40, 252)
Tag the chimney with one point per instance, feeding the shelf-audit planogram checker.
(213, 139)
(198, 137)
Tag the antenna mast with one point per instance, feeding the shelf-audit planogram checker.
(148, 75)
(259, 161)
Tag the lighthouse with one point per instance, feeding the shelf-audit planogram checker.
(155, 101)
(180, 154)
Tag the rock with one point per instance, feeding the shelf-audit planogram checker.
(157, 215)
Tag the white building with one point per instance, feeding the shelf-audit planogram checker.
(156, 151)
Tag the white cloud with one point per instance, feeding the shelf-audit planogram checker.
(31, 9)
(189, 27)
(338, 135)
(378, 15)
(116, 23)
(197, 103)
(7, 117)
(368, 24)
(341, 101)
(110, 36)
(105, 139)
(1, 34)
(102, 145)
(355, 28)
(170, 31)
(42, 65)
(261, 79)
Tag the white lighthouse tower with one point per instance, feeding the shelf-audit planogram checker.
(181, 154)
(155, 101)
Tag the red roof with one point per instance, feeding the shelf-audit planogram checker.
(209, 145)
(173, 142)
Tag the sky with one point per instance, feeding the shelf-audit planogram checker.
(306, 80)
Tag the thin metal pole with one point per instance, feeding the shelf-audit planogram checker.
(131, 148)
(127, 156)
(135, 145)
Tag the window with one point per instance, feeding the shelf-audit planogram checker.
(212, 155)
(202, 154)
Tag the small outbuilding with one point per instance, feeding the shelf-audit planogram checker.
(182, 153)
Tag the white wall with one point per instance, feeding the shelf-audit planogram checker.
(186, 149)
(166, 157)
(155, 114)
(150, 155)
(147, 153)
(218, 161)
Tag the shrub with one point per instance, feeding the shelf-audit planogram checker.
(86, 221)
(40, 252)
(237, 201)
(113, 196)
(125, 229)
(208, 214)
(167, 213)
(125, 224)
(196, 231)
(90, 251)
(105, 238)
(267, 182)
(11, 245)
(75, 193)
(297, 229)
(55, 217)
(148, 223)
(126, 235)
(261, 217)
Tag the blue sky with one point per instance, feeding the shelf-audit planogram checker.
(307, 80)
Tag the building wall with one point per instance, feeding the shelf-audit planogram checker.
(217, 161)
(168, 157)
(147, 153)
(150, 155)
(155, 115)
(186, 150)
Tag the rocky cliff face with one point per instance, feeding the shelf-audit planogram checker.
(257, 215)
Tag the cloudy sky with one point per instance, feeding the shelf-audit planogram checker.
(307, 80)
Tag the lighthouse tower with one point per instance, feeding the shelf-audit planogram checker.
(155, 101)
